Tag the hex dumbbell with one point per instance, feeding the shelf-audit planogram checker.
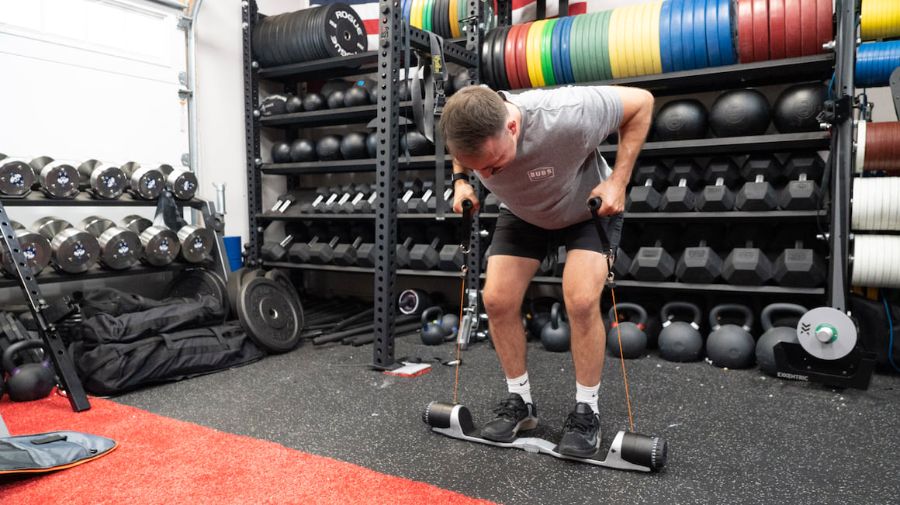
(722, 177)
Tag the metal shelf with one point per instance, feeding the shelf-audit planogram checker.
(775, 215)
(49, 276)
(327, 117)
(358, 270)
(327, 167)
(778, 142)
(792, 70)
(715, 288)
(310, 217)
(38, 199)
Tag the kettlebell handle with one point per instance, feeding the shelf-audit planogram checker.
(427, 316)
(765, 316)
(733, 308)
(23, 345)
(629, 307)
(556, 315)
(666, 313)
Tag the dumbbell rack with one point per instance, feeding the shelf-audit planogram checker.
(785, 71)
(385, 63)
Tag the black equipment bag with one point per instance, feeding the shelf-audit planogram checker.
(874, 329)
(48, 452)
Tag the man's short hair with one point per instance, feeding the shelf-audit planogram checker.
(470, 117)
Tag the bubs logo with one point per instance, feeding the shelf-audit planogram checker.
(541, 174)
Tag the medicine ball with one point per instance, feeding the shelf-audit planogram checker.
(313, 101)
(353, 146)
(681, 120)
(333, 85)
(372, 144)
(356, 95)
(416, 144)
(293, 104)
(274, 104)
(281, 152)
(335, 99)
(739, 112)
(797, 107)
(303, 150)
(328, 148)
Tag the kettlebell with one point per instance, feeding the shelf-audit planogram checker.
(28, 381)
(631, 333)
(556, 333)
(537, 315)
(450, 325)
(679, 340)
(765, 346)
(730, 345)
(432, 331)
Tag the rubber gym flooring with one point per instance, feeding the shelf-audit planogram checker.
(734, 436)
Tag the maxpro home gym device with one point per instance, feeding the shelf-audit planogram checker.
(629, 450)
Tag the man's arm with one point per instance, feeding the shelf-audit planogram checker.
(462, 190)
(637, 114)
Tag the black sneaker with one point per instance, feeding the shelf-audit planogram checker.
(581, 433)
(513, 416)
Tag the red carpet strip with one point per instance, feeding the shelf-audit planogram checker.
(165, 461)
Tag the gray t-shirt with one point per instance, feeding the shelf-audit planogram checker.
(557, 163)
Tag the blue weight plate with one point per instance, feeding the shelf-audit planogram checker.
(701, 58)
(687, 34)
(712, 32)
(677, 46)
(565, 49)
(407, 5)
(726, 42)
(665, 51)
(555, 56)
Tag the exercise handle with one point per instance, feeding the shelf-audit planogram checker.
(594, 204)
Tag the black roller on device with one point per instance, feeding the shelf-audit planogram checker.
(325, 31)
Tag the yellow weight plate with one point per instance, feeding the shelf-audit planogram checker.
(537, 39)
(655, 55)
(529, 54)
(630, 40)
(532, 55)
(644, 63)
(416, 16)
(612, 42)
(892, 18)
(452, 11)
(637, 37)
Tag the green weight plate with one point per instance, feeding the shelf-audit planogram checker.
(461, 7)
(587, 51)
(596, 48)
(575, 48)
(578, 31)
(604, 39)
(426, 15)
(546, 53)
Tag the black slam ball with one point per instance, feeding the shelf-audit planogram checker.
(797, 107)
(281, 152)
(303, 150)
(353, 146)
(738, 113)
(328, 148)
(681, 120)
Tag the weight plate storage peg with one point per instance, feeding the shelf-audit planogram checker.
(120, 248)
(269, 315)
(35, 247)
(16, 176)
(104, 181)
(146, 183)
(74, 251)
(161, 245)
(57, 179)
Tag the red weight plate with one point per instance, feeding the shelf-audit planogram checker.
(792, 29)
(745, 30)
(776, 29)
(509, 57)
(808, 27)
(824, 25)
(522, 55)
(760, 30)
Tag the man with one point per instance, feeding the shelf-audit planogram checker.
(537, 152)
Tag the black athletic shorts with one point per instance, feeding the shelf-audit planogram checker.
(516, 237)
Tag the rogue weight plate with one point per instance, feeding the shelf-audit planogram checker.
(725, 33)
(605, 47)
(614, 47)
(575, 52)
(745, 30)
(522, 55)
(687, 34)
(637, 43)
(487, 60)
(198, 282)
(196, 243)
(650, 25)
(712, 33)
(497, 47)
(776, 29)
(556, 51)
(295, 36)
(271, 318)
(427, 15)
(655, 51)
(675, 40)
(531, 54)
(281, 277)
(547, 52)
(665, 47)
(824, 26)
(596, 47)
(236, 280)
(566, 49)
(343, 32)
(455, 30)
(808, 22)
(539, 71)
(792, 39)
(16, 176)
(628, 38)
(761, 30)
(437, 17)
(509, 57)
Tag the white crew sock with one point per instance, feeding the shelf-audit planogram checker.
(587, 394)
(520, 386)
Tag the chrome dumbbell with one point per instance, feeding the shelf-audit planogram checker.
(180, 181)
(196, 243)
(34, 246)
(57, 179)
(146, 183)
(120, 248)
(161, 245)
(74, 251)
(104, 181)
(16, 176)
